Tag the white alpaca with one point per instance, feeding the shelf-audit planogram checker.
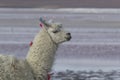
(40, 57)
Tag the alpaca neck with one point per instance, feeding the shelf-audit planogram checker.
(41, 54)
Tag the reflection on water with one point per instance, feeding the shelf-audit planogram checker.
(87, 75)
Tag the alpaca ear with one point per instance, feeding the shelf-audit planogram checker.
(50, 21)
(44, 22)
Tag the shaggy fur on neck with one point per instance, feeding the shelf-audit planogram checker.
(41, 55)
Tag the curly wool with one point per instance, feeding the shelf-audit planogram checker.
(12, 68)
(41, 55)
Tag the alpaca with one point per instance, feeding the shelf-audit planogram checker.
(41, 54)
(40, 57)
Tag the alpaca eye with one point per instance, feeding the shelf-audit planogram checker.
(55, 31)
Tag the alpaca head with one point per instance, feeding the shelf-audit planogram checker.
(56, 32)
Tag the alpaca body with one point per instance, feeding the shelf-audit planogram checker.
(14, 69)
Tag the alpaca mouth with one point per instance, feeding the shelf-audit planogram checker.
(68, 38)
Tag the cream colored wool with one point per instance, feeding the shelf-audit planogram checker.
(40, 57)
(14, 69)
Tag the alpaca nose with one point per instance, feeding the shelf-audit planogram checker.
(68, 36)
(68, 33)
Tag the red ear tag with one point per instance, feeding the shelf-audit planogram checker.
(31, 43)
(41, 25)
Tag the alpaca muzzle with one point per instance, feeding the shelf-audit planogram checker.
(68, 36)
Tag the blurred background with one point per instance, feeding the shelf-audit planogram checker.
(94, 51)
(60, 3)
